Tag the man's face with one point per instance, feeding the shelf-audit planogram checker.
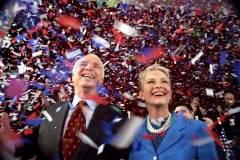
(229, 99)
(156, 89)
(186, 112)
(63, 97)
(88, 73)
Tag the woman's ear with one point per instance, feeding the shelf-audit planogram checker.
(140, 94)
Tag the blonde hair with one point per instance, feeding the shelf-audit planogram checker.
(153, 67)
(76, 65)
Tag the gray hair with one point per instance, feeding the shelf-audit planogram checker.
(153, 67)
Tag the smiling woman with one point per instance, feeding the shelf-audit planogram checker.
(168, 137)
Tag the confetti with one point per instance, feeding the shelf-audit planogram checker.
(209, 92)
(127, 135)
(85, 139)
(47, 115)
(100, 149)
(125, 29)
(16, 87)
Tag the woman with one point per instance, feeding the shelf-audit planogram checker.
(174, 139)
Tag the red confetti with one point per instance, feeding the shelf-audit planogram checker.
(148, 136)
(28, 132)
(97, 99)
(2, 34)
(68, 21)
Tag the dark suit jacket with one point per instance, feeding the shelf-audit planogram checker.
(45, 142)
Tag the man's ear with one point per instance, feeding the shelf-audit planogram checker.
(140, 94)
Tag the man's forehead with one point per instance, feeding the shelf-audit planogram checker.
(91, 58)
(229, 95)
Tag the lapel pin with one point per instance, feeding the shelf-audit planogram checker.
(55, 127)
(58, 109)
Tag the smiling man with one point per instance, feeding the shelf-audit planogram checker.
(57, 139)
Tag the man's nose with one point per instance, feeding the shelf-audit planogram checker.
(88, 67)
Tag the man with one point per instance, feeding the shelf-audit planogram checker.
(63, 97)
(188, 113)
(47, 139)
(196, 109)
(185, 108)
(232, 123)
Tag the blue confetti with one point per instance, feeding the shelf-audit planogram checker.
(46, 90)
(208, 39)
(139, 145)
(107, 128)
(110, 139)
(39, 86)
(237, 69)
(13, 101)
(59, 57)
(34, 121)
(47, 73)
(180, 116)
(223, 57)
(21, 37)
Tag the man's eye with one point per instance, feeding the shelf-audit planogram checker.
(83, 64)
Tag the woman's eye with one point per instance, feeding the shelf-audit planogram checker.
(165, 81)
(150, 81)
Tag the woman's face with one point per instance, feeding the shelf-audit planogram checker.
(156, 89)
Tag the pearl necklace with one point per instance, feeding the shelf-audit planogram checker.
(164, 127)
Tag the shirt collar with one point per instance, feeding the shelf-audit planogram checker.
(91, 104)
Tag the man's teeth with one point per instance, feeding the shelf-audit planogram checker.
(88, 76)
(158, 94)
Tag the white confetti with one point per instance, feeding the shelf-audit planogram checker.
(196, 57)
(201, 142)
(47, 115)
(127, 135)
(41, 16)
(85, 139)
(219, 93)
(128, 95)
(117, 120)
(101, 41)
(100, 149)
(125, 29)
(140, 104)
(35, 54)
(234, 110)
(209, 92)
(72, 54)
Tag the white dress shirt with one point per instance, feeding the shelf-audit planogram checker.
(90, 107)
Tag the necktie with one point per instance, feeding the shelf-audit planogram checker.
(70, 140)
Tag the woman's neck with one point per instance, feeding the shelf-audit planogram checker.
(155, 113)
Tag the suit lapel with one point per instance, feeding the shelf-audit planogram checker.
(93, 131)
(146, 143)
(172, 136)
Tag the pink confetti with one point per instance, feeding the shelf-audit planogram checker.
(16, 87)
